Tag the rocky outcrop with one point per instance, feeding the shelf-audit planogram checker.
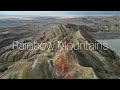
(60, 63)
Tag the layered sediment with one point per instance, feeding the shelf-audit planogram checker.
(60, 63)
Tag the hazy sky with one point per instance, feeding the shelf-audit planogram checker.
(57, 13)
